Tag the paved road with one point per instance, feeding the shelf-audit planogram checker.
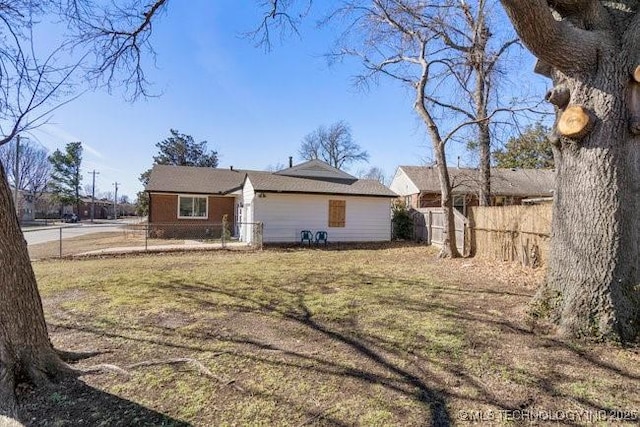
(34, 235)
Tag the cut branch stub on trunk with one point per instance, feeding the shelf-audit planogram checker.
(636, 74)
(575, 122)
(559, 96)
(634, 108)
(543, 68)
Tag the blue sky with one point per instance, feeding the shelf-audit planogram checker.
(253, 107)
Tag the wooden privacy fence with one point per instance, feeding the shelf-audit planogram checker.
(428, 226)
(511, 233)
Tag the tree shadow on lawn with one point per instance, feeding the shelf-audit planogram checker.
(550, 385)
(385, 362)
(433, 381)
(74, 403)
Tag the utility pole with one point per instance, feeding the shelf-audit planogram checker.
(16, 177)
(93, 195)
(115, 201)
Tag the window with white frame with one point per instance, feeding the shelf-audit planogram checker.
(193, 207)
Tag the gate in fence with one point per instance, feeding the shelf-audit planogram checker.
(428, 226)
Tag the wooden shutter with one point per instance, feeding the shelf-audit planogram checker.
(337, 213)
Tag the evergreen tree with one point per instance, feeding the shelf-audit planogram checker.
(531, 150)
(178, 150)
(66, 177)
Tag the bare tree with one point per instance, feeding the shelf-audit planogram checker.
(105, 195)
(466, 30)
(334, 145)
(589, 49)
(34, 169)
(443, 53)
(374, 172)
(107, 41)
(275, 167)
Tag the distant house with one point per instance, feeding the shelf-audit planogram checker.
(103, 208)
(26, 206)
(310, 196)
(419, 186)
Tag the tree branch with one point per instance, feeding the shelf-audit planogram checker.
(558, 43)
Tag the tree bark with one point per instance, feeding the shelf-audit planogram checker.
(25, 350)
(484, 139)
(449, 247)
(478, 60)
(593, 280)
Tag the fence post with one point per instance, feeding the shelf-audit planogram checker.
(429, 228)
(225, 222)
(146, 237)
(60, 249)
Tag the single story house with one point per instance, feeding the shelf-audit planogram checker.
(26, 206)
(419, 186)
(310, 196)
(103, 208)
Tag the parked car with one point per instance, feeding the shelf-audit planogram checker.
(69, 217)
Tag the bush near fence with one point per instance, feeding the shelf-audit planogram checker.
(187, 231)
(511, 233)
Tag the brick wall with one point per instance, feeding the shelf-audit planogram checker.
(163, 208)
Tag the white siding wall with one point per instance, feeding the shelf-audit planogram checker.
(248, 201)
(402, 185)
(285, 215)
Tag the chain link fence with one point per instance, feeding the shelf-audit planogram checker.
(117, 238)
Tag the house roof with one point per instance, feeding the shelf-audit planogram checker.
(277, 183)
(195, 180)
(315, 169)
(315, 177)
(504, 182)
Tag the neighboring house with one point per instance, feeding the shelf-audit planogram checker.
(47, 207)
(419, 186)
(26, 206)
(310, 196)
(103, 208)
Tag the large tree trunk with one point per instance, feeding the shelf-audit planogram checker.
(484, 141)
(25, 350)
(594, 261)
(593, 282)
(479, 62)
(449, 247)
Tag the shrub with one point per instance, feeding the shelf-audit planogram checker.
(402, 222)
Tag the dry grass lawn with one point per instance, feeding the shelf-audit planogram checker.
(371, 337)
(95, 241)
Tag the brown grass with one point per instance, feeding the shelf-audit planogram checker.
(96, 241)
(387, 336)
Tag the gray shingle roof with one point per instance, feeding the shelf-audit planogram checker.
(504, 182)
(197, 180)
(275, 183)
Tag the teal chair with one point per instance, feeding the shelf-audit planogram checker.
(306, 235)
(321, 236)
